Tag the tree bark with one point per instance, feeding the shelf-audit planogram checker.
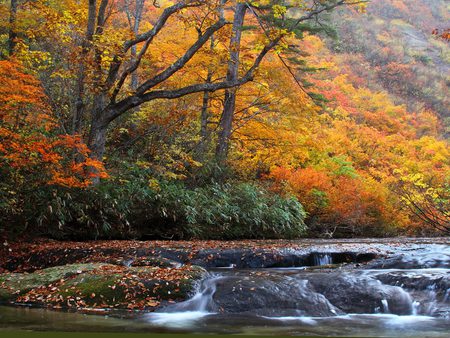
(78, 116)
(107, 107)
(12, 34)
(226, 120)
(205, 132)
(134, 21)
(98, 132)
(137, 22)
(99, 126)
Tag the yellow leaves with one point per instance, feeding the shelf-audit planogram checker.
(259, 3)
(32, 59)
(62, 74)
(153, 184)
(279, 11)
(106, 59)
(361, 8)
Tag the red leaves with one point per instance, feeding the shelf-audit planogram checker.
(27, 135)
(442, 33)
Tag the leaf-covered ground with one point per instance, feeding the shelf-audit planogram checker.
(94, 287)
(143, 275)
(43, 253)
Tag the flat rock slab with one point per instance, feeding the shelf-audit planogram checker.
(19, 257)
(98, 285)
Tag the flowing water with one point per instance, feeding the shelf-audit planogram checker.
(406, 295)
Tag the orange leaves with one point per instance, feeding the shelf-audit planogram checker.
(443, 34)
(18, 92)
(340, 200)
(29, 144)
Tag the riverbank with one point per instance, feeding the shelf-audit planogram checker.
(368, 287)
(103, 276)
(44, 253)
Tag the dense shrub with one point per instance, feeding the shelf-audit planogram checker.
(339, 203)
(141, 208)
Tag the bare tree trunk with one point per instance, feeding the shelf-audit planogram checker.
(12, 34)
(205, 132)
(226, 120)
(81, 76)
(137, 22)
(134, 23)
(98, 131)
(204, 117)
(97, 139)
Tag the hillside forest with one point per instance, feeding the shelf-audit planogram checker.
(224, 119)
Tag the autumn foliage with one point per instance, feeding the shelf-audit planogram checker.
(182, 110)
(32, 154)
(29, 145)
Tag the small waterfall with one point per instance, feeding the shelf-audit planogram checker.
(446, 296)
(400, 296)
(187, 313)
(201, 301)
(416, 307)
(319, 259)
(432, 297)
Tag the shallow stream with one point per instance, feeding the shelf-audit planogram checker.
(405, 295)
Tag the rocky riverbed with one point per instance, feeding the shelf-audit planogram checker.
(237, 286)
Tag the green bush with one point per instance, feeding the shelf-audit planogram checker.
(232, 211)
(136, 207)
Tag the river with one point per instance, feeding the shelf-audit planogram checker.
(404, 295)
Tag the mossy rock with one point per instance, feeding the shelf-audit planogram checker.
(101, 285)
(13, 285)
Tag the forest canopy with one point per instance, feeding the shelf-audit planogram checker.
(224, 119)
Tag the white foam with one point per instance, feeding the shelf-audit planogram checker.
(304, 320)
(176, 319)
(407, 320)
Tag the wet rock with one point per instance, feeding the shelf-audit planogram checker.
(354, 294)
(13, 285)
(417, 280)
(100, 285)
(436, 256)
(429, 289)
(282, 296)
(246, 258)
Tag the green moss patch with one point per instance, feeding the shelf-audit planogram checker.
(107, 286)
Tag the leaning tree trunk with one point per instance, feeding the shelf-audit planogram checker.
(226, 121)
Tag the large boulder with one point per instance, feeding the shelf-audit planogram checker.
(274, 296)
(417, 280)
(429, 289)
(361, 294)
(13, 285)
(100, 286)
